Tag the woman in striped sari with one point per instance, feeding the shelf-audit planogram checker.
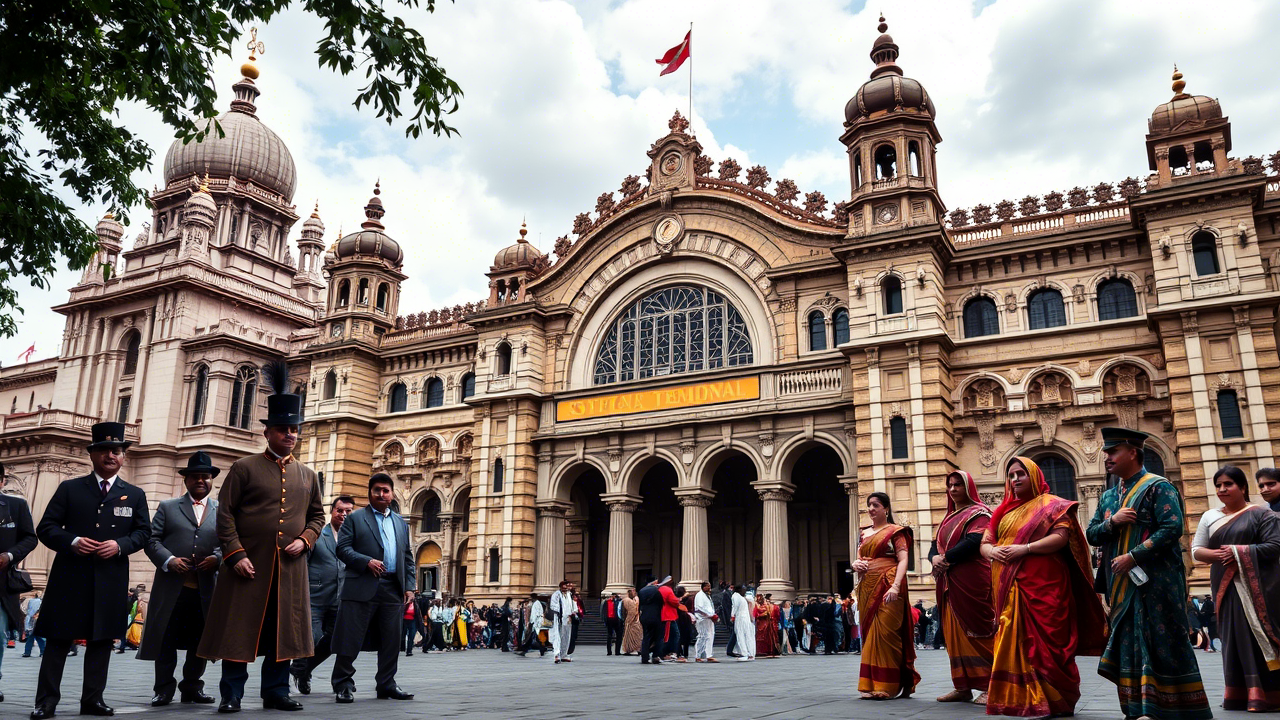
(888, 651)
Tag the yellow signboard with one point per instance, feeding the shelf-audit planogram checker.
(708, 393)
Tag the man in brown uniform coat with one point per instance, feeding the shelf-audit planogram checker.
(269, 513)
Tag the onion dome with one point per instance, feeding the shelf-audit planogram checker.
(371, 240)
(200, 206)
(521, 253)
(247, 150)
(109, 231)
(313, 228)
(887, 90)
(1183, 112)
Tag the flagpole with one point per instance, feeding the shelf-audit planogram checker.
(690, 73)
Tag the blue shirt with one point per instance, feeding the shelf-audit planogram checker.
(386, 525)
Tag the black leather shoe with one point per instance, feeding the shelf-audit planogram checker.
(345, 696)
(229, 706)
(99, 708)
(394, 693)
(304, 685)
(198, 698)
(281, 703)
(42, 712)
(161, 700)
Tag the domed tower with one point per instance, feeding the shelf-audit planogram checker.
(1187, 136)
(512, 268)
(364, 279)
(307, 284)
(109, 231)
(891, 137)
(198, 215)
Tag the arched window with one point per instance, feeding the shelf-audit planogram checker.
(131, 349)
(1152, 461)
(817, 331)
(430, 522)
(1116, 300)
(898, 437)
(1203, 155)
(435, 393)
(344, 293)
(398, 398)
(913, 157)
(671, 331)
(886, 161)
(857, 167)
(504, 358)
(891, 289)
(330, 385)
(1204, 250)
(362, 295)
(497, 476)
(1179, 163)
(468, 385)
(384, 293)
(513, 290)
(244, 395)
(1059, 474)
(199, 395)
(980, 318)
(1229, 414)
(494, 565)
(840, 326)
(1045, 310)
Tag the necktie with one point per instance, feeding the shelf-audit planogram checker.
(198, 506)
(103, 485)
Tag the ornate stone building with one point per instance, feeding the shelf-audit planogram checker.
(710, 376)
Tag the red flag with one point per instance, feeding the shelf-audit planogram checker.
(676, 56)
(26, 356)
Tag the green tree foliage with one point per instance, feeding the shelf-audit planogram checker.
(67, 65)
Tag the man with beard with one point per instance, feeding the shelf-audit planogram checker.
(324, 580)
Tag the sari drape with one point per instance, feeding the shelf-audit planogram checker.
(766, 617)
(632, 633)
(1048, 612)
(964, 595)
(888, 649)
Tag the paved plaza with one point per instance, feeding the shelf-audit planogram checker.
(491, 684)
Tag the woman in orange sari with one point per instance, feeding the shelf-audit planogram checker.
(1047, 610)
(888, 650)
(766, 616)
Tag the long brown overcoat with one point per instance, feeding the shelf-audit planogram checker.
(261, 509)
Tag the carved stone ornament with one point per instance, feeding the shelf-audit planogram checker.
(787, 304)
(686, 451)
(766, 444)
(667, 231)
(992, 498)
(1127, 415)
(1011, 303)
(1157, 360)
(1048, 421)
(695, 501)
(776, 494)
(1014, 375)
(553, 511)
(1089, 441)
(1091, 492)
(671, 163)
(987, 442)
(1084, 367)
(624, 506)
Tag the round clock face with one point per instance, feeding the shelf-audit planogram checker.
(670, 164)
(886, 213)
(336, 331)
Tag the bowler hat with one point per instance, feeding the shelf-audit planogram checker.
(200, 464)
(1114, 436)
(108, 435)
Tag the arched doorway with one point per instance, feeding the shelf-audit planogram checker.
(460, 569)
(656, 532)
(586, 544)
(819, 523)
(734, 522)
(429, 568)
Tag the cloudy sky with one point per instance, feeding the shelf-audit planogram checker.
(562, 99)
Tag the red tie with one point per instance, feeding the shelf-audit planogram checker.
(104, 488)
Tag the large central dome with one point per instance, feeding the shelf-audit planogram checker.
(887, 90)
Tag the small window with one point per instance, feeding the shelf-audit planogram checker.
(244, 394)
(398, 400)
(817, 331)
(886, 162)
(1045, 309)
(891, 288)
(840, 326)
(857, 167)
(494, 565)
(199, 395)
(898, 437)
(1203, 155)
(1116, 300)
(131, 351)
(980, 318)
(504, 359)
(498, 472)
(122, 415)
(362, 296)
(330, 385)
(384, 293)
(430, 522)
(502, 291)
(913, 157)
(1059, 475)
(468, 385)
(344, 293)
(435, 393)
(1204, 250)
(1229, 414)
(1179, 163)
(1152, 462)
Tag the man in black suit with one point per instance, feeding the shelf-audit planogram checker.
(185, 550)
(92, 523)
(651, 622)
(611, 612)
(17, 540)
(374, 546)
(324, 579)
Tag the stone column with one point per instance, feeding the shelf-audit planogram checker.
(548, 568)
(776, 556)
(449, 523)
(850, 483)
(618, 576)
(694, 561)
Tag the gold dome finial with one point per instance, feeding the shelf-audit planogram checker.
(1178, 82)
(256, 48)
(204, 184)
(883, 26)
(523, 231)
(316, 212)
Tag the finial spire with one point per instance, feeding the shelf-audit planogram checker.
(1178, 82)
(374, 211)
(884, 52)
(883, 26)
(316, 212)
(256, 47)
(523, 231)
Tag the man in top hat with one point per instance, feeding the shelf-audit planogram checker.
(184, 548)
(269, 514)
(17, 540)
(1138, 525)
(92, 524)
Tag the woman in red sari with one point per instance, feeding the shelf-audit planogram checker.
(766, 616)
(963, 580)
(888, 649)
(1047, 611)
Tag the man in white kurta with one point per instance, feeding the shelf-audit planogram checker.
(704, 614)
(744, 627)
(564, 608)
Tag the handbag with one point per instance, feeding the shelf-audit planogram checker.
(17, 581)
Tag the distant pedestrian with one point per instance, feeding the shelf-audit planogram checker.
(611, 613)
(32, 612)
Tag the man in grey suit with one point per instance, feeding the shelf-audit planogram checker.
(324, 576)
(185, 550)
(374, 546)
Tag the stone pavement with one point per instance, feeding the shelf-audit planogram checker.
(491, 684)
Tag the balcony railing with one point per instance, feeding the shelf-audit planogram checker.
(807, 382)
(59, 420)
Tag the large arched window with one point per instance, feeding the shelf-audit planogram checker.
(330, 385)
(1204, 250)
(398, 398)
(891, 289)
(1229, 414)
(468, 385)
(430, 522)
(886, 161)
(199, 395)
(504, 358)
(1045, 309)
(980, 318)
(817, 331)
(1116, 300)
(840, 326)
(131, 350)
(244, 394)
(435, 393)
(498, 472)
(898, 437)
(671, 331)
(1059, 474)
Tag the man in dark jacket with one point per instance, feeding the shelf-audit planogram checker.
(324, 581)
(17, 540)
(611, 613)
(651, 605)
(92, 524)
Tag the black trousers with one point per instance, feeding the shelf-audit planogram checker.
(387, 616)
(613, 636)
(733, 639)
(437, 635)
(97, 656)
(574, 622)
(654, 640)
(186, 624)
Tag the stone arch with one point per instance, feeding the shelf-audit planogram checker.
(705, 465)
(958, 394)
(1025, 291)
(786, 454)
(1105, 367)
(463, 490)
(633, 470)
(1072, 375)
(560, 484)
(974, 294)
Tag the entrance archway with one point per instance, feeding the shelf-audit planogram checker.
(429, 567)
(656, 532)
(460, 570)
(819, 523)
(586, 544)
(734, 522)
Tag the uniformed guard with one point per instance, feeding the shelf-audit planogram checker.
(93, 524)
